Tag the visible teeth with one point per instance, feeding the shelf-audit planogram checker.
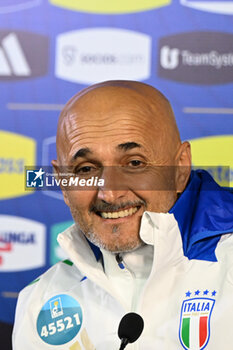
(118, 214)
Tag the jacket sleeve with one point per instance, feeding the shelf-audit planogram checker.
(21, 330)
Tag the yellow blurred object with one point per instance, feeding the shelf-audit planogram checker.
(214, 154)
(103, 6)
(16, 151)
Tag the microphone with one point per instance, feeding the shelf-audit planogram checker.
(130, 329)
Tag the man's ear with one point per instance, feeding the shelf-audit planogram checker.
(55, 165)
(184, 161)
(57, 171)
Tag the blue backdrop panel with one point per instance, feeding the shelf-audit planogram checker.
(49, 50)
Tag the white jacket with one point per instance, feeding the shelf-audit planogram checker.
(186, 302)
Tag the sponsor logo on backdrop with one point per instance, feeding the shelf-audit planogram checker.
(224, 7)
(7, 6)
(215, 152)
(103, 6)
(204, 58)
(15, 152)
(93, 55)
(19, 58)
(22, 244)
(56, 252)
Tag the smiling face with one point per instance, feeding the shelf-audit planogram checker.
(126, 134)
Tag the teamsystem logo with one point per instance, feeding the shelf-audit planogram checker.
(7, 6)
(93, 55)
(44, 180)
(224, 7)
(204, 58)
(19, 58)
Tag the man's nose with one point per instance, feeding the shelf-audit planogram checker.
(114, 186)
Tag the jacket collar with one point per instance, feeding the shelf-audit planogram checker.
(204, 212)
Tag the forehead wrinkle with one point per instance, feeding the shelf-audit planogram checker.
(83, 136)
(116, 133)
(85, 127)
(86, 137)
(108, 116)
(91, 139)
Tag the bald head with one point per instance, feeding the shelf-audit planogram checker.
(126, 133)
(105, 101)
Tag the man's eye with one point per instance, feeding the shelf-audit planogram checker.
(135, 163)
(84, 170)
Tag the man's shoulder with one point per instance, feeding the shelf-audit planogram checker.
(59, 276)
(224, 251)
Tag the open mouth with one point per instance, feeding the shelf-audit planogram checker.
(118, 214)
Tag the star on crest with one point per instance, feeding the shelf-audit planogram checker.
(198, 293)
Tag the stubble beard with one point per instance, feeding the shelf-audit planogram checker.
(95, 238)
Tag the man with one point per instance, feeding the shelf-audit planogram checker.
(152, 238)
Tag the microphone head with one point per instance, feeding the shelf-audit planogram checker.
(130, 327)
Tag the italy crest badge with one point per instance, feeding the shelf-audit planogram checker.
(194, 330)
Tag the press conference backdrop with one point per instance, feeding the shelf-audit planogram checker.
(49, 50)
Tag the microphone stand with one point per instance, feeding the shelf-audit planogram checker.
(124, 342)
